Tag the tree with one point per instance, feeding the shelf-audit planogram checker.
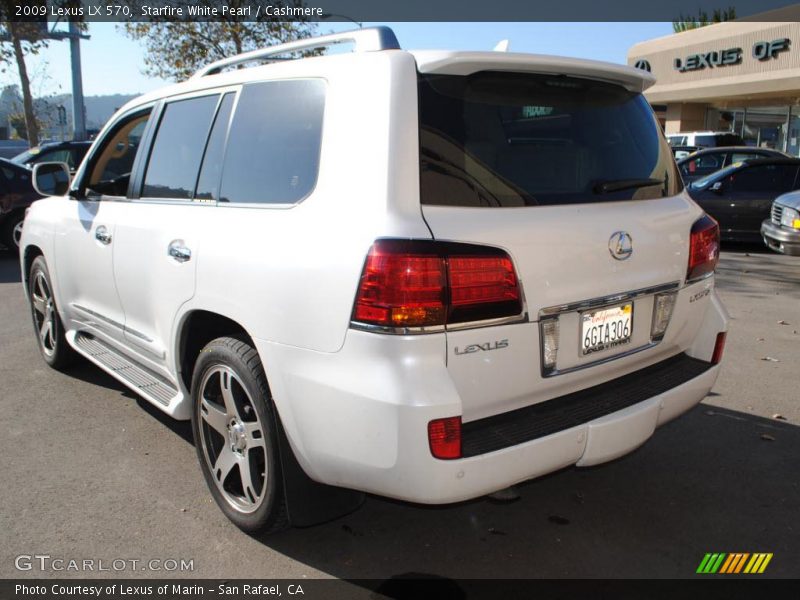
(176, 49)
(24, 37)
(689, 22)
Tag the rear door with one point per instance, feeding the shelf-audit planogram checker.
(751, 192)
(574, 179)
(157, 242)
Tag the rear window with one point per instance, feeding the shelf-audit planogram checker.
(510, 139)
(676, 140)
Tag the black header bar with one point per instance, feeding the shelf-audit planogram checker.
(359, 11)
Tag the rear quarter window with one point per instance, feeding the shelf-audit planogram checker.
(272, 154)
(497, 139)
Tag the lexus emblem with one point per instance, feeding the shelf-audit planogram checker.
(620, 245)
(643, 64)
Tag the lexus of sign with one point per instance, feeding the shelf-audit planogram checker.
(732, 56)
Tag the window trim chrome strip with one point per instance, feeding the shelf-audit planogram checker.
(600, 302)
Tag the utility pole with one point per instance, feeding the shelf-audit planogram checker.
(78, 110)
(75, 36)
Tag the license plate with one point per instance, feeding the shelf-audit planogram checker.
(606, 328)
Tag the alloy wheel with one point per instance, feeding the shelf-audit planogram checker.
(16, 234)
(232, 439)
(44, 313)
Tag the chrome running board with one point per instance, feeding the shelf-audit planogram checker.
(144, 382)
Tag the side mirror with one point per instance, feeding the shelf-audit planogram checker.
(51, 178)
(717, 187)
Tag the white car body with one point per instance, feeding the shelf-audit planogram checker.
(355, 404)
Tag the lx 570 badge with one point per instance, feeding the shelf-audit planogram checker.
(496, 345)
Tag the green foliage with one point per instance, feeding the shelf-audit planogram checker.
(176, 49)
(685, 23)
(17, 122)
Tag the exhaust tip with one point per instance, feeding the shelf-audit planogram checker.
(505, 496)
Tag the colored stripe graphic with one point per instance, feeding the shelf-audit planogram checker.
(741, 562)
(722, 563)
(732, 558)
(758, 563)
(711, 563)
(734, 563)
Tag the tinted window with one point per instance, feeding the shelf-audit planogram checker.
(728, 139)
(77, 155)
(212, 161)
(54, 155)
(742, 156)
(509, 139)
(113, 161)
(273, 148)
(766, 179)
(704, 141)
(178, 148)
(702, 165)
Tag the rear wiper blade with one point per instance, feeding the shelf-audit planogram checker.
(615, 185)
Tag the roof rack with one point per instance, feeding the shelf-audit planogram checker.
(370, 39)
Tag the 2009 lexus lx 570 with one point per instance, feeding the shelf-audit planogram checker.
(424, 275)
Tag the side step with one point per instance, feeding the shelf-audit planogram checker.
(148, 384)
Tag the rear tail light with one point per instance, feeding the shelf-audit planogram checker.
(401, 289)
(422, 283)
(719, 348)
(444, 437)
(703, 248)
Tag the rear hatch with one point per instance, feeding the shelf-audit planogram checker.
(571, 175)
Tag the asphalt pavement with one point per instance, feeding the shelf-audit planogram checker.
(91, 472)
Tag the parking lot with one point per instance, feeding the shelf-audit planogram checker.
(93, 472)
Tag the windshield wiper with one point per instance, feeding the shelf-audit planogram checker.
(616, 185)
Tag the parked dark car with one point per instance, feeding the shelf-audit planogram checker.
(706, 161)
(740, 196)
(16, 194)
(71, 153)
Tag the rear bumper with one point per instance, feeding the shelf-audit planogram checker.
(358, 418)
(580, 408)
(781, 239)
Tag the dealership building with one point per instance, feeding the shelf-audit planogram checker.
(740, 76)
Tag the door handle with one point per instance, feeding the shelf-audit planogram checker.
(102, 235)
(178, 251)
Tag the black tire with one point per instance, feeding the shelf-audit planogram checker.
(8, 233)
(261, 506)
(53, 346)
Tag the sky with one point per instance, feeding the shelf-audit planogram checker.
(113, 63)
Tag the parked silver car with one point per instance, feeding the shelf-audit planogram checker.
(781, 232)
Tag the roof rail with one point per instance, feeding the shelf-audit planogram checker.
(370, 39)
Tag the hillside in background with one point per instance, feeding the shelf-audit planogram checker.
(98, 110)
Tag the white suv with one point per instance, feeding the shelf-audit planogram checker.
(425, 275)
